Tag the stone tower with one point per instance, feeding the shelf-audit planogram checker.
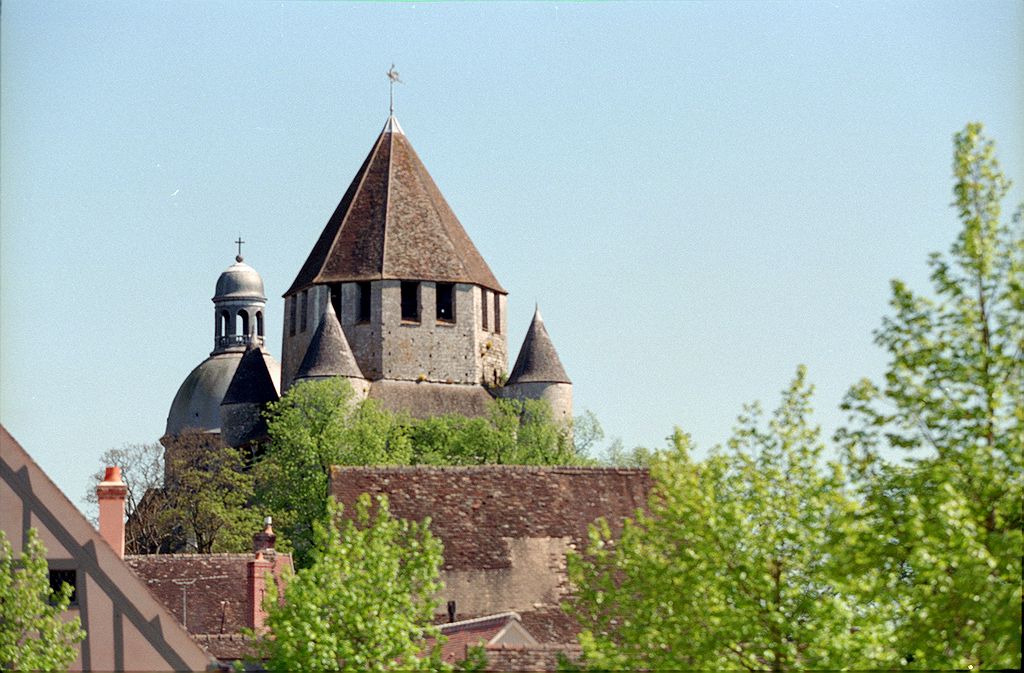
(538, 374)
(238, 304)
(421, 311)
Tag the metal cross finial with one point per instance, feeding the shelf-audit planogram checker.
(392, 78)
(239, 242)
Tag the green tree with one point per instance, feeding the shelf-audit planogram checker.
(208, 497)
(738, 564)
(515, 432)
(315, 425)
(33, 632)
(947, 522)
(366, 602)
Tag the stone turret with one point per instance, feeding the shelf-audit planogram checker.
(251, 389)
(329, 355)
(538, 374)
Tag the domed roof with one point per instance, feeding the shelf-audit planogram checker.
(239, 280)
(197, 404)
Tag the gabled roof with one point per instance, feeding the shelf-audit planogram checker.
(127, 627)
(252, 382)
(538, 360)
(501, 629)
(393, 223)
(328, 353)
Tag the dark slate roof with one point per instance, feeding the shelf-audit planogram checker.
(426, 399)
(328, 353)
(538, 360)
(393, 223)
(252, 382)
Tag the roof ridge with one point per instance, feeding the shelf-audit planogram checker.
(387, 198)
(359, 188)
(482, 620)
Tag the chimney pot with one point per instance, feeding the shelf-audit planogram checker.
(111, 494)
(265, 539)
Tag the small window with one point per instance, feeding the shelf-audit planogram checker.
(223, 325)
(242, 323)
(336, 299)
(364, 301)
(259, 323)
(59, 578)
(410, 301)
(497, 313)
(291, 315)
(483, 306)
(304, 311)
(445, 302)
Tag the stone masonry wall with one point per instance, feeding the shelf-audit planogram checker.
(558, 395)
(432, 350)
(492, 345)
(293, 346)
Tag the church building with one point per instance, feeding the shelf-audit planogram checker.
(393, 296)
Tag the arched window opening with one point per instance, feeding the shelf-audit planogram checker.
(242, 322)
(259, 323)
(224, 326)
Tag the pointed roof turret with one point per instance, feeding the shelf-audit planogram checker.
(328, 353)
(538, 360)
(393, 223)
(252, 382)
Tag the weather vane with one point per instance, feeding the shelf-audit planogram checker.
(392, 78)
(239, 242)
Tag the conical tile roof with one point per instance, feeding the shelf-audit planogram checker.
(328, 353)
(393, 223)
(252, 382)
(538, 360)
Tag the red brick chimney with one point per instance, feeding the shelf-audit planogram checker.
(111, 494)
(259, 568)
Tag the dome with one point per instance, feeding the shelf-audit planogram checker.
(240, 281)
(197, 404)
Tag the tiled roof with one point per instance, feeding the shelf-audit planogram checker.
(494, 519)
(465, 634)
(393, 223)
(328, 353)
(538, 360)
(208, 593)
(472, 509)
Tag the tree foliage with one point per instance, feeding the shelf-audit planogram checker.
(142, 470)
(946, 524)
(33, 632)
(366, 602)
(208, 495)
(736, 565)
(315, 425)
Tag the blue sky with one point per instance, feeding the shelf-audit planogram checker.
(699, 195)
